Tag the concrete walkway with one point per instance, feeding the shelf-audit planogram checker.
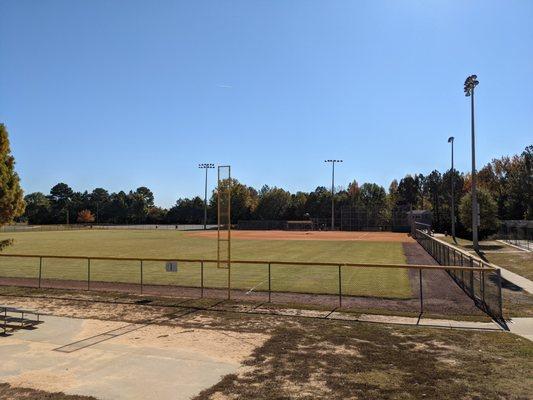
(519, 326)
(516, 279)
(522, 327)
(113, 360)
(429, 322)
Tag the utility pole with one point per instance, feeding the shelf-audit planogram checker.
(333, 191)
(205, 166)
(470, 83)
(450, 140)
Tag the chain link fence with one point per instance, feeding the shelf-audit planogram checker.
(517, 233)
(480, 280)
(69, 227)
(364, 288)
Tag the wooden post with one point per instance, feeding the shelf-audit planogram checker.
(88, 274)
(269, 284)
(201, 279)
(340, 287)
(141, 276)
(40, 270)
(421, 292)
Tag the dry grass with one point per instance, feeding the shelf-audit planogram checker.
(315, 358)
(7, 392)
(363, 361)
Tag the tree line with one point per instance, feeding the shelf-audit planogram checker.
(505, 190)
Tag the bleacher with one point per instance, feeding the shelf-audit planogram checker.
(14, 318)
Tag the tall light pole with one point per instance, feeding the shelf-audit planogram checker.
(333, 191)
(205, 166)
(450, 140)
(470, 83)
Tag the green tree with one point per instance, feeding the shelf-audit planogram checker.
(38, 208)
(11, 195)
(99, 201)
(434, 189)
(446, 188)
(374, 199)
(243, 202)
(60, 196)
(156, 215)
(297, 210)
(118, 207)
(187, 211)
(488, 212)
(140, 203)
(408, 191)
(318, 203)
(528, 167)
(354, 193)
(273, 203)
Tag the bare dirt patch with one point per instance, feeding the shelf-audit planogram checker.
(178, 362)
(318, 358)
(312, 235)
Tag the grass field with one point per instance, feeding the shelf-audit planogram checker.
(391, 283)
(508, 257)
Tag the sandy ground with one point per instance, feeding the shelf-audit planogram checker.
(117, 360)
(312, 235)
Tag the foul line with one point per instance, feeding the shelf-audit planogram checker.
(256, 286)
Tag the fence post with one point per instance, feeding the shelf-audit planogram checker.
(421, 292)
(201, 279)
(472, 278)
(40, 270)
(340, 287)
(482, 284)
(229, 281)
(269, 284)
(88, 274)
(141, 276)
(499, 284)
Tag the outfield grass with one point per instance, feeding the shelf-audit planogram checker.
(392, 283)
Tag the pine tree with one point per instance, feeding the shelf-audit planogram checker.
(11, 196)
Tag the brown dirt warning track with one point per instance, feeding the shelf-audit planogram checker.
(312, 235)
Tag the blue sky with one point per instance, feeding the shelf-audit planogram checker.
(120, 94)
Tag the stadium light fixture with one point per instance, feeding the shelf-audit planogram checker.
(333, 190)
(206, 166)
(450, 140)
(470, 84)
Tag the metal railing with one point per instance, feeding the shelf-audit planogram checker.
(481, 281)
(70, 227)
(343, 285)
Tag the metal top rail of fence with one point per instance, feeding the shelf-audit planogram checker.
(64, 227)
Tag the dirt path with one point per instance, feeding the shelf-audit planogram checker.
(441, 294)
(312, 235)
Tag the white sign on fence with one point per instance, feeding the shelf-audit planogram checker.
(171, 266)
